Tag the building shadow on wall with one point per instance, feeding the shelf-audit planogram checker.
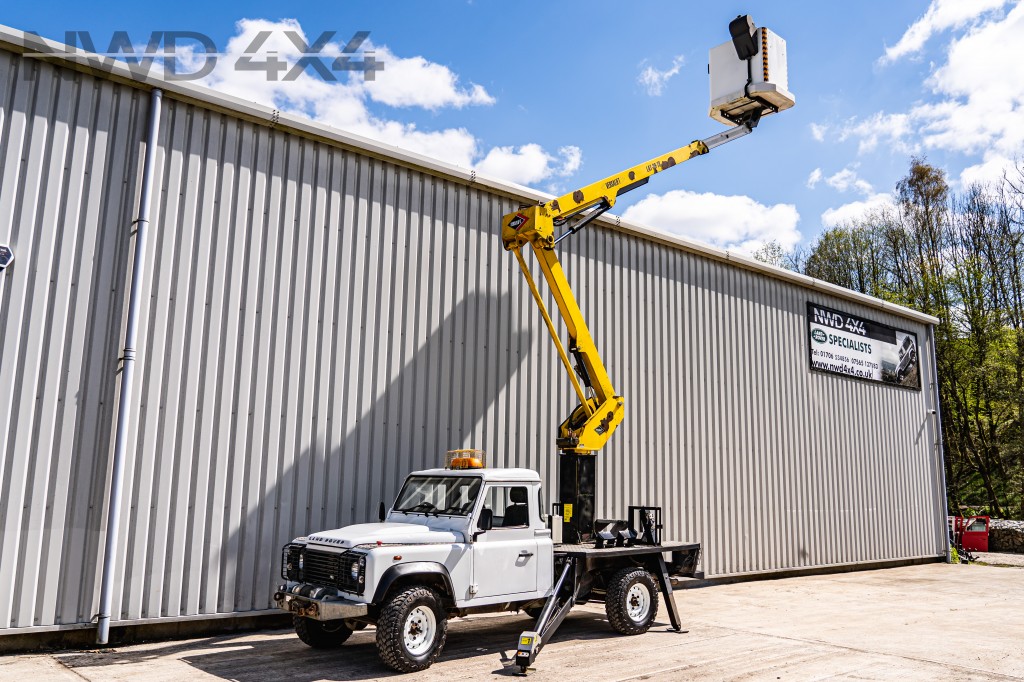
(455, 381)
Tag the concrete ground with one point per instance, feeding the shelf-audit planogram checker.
(999, 559)
(926, 622)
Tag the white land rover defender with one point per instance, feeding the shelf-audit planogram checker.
(467, 541)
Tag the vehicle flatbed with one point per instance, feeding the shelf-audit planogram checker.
(685, 555)
(591, 550)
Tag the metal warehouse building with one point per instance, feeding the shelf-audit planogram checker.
(321, 313)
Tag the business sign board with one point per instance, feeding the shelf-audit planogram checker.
(853, 346)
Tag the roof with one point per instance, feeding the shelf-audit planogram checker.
(71, 57)
(517, 475)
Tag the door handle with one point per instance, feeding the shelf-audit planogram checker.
(525, 553)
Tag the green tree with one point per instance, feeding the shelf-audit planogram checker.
(959, 257)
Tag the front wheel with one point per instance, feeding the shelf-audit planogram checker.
(411, 630)
(631, 601)
(321, 634)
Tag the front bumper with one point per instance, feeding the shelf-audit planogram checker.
(302, 600)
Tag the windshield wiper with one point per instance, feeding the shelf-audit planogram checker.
(427, 508)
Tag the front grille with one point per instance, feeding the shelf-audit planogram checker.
(328, 569)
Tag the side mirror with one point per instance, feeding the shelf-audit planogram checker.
(484, 523)
(382, 512)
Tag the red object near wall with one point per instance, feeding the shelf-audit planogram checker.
(972, 531)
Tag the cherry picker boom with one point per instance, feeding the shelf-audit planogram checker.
(600, 410)
(541, 227)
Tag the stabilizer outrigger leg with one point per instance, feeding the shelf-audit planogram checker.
(666, 591)
(555, 610)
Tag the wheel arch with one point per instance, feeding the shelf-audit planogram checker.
(427, 573)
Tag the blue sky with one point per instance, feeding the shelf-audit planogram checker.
(554, 95)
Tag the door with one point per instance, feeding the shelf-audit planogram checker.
(976, 534)
(505, 557)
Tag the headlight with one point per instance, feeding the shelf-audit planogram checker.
(357, 568)
(291, 560)
(301, 556)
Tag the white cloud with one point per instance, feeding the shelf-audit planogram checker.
(732, 222)
(855, 209)
(343, 103)
(976, 103)
(416, 82)
(818, 131)
(529, 163)
(848, 179)
(893, 129)
(941, 15)
(842, 181)
(989, 171)
(653, 80)
(982, 86)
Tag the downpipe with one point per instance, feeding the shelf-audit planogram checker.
(127, 372)
(938, 439)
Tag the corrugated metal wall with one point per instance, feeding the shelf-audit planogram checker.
(68, 150)
(319, 322)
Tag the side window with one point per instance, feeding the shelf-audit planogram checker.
(510, 505)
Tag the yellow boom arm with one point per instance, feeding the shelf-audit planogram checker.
(600, 411)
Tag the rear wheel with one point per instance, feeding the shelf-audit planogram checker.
(321, 634)
(631, 601)
(411, 630)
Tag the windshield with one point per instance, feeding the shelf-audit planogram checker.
(452, 495)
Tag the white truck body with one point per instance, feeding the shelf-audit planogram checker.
(458, 542)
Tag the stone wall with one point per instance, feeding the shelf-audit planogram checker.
(1006, 536)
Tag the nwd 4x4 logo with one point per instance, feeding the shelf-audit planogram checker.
(819, 336)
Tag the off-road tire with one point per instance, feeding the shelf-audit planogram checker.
(617, 601)
(321, 635)
(391, 630)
